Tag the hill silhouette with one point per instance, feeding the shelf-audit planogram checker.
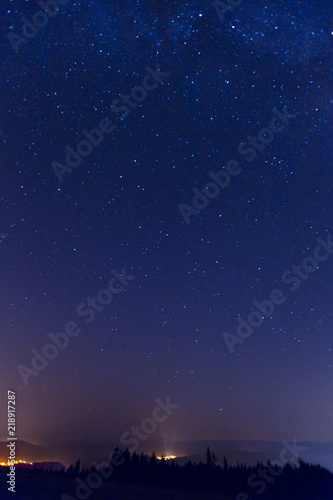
(140, 476)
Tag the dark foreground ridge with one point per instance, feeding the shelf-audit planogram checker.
(134, 476)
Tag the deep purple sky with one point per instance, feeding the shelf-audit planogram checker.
(163, 335)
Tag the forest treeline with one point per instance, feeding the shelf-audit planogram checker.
(293, 481)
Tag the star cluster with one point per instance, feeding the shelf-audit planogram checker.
(164, 335)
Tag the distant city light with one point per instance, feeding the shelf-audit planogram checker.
(167, 457)
(7, 464)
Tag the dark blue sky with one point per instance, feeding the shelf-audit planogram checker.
(163, 335)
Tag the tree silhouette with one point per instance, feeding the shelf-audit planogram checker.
(209, 457)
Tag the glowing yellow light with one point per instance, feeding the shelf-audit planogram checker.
(167, 457)
(8, 464)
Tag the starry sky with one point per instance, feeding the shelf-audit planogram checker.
(164, 334)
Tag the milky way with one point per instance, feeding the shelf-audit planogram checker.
(164, 335)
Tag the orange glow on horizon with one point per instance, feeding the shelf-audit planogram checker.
(8, 464)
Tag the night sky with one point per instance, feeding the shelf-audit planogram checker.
(212, 85)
